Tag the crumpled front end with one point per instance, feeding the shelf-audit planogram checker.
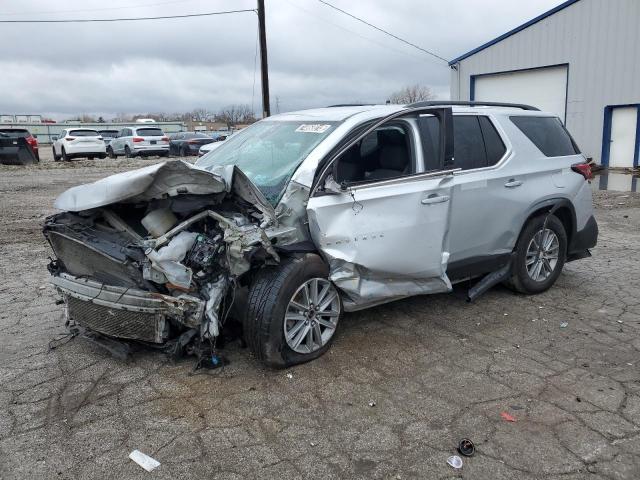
(153, 254)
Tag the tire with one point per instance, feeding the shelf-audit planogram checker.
(111, 153)
(127, 152)
(270, 294)
(56, 158)
(91, 157)
(522, 276)
(65, 157)
(102, 156)
(184, 152)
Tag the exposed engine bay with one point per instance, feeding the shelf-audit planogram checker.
(161, 264)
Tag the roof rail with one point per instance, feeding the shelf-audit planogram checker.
(351, 105)
(459, 103)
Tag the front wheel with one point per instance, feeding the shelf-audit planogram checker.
(127, 152)
(56, 157)
(293, 312)
(540, 255)
(65, 157)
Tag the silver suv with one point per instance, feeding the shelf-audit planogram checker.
(139, 141)
(306, 215)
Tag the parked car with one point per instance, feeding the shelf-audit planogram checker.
(108, 135)
(139, 141)
(186, 144)
(76, 143)
(31, 140)
(319, 212)
(15, 150)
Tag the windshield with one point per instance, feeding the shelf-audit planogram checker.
(269, 152)
(15, 133)
(149, 132)
(84, 133)
(109, 133)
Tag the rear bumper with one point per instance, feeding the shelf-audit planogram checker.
(583, 239)
(151, 148)
(85, 150)
(126, 313)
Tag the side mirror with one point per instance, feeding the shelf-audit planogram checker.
(334, 188)
(54, 137)
(34, 136)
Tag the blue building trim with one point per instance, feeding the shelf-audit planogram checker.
(606, 134)
(472, 82)
(562, 6)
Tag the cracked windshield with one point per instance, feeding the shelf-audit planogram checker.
(269, 152)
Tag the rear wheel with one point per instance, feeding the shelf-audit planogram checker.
(111, 153)
(91, 157)
(293, 312)
(540, 255)
(65, 157)
(184, 151)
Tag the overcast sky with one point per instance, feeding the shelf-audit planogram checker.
(317, 56)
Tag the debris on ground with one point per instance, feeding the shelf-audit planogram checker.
(455, 461)
(145, 461)
(466, 447)
(508, 417)
(289, 376)
(564, 325)
(372, 403)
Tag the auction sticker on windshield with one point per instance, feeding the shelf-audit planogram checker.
(314, 128)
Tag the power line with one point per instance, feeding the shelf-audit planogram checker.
(384, 31)
(131, 19)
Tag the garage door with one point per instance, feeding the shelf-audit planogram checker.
(623, 136)
(545, 88)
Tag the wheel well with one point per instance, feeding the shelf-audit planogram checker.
(564, 214)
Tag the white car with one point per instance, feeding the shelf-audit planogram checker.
(139, 141)
(78, 142)
(209, 147)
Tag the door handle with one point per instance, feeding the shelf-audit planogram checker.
(513, 183)
(430, 200)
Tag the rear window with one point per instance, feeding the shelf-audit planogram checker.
(108, 133)
(15, 132)
(548, 134)
(149, 132)
(84, 133)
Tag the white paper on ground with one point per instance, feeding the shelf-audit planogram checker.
(145, 461)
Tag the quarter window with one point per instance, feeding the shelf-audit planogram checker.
(493, 145)
(468, 144)
(548, 134)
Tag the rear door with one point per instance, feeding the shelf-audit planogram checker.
(151, 136)
(380, 221)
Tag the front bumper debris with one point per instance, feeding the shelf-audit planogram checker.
(126, 312)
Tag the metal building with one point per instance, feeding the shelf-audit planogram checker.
(580, 60)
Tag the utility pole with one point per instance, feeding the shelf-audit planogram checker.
(266, 109)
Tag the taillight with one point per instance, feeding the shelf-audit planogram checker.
(164, 139)
(192, 141)
(32, 141)
(68, 139)
(583, 169)
(138, 139)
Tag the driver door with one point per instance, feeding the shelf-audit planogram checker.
(384, 234)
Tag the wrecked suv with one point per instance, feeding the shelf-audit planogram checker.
(305, 215)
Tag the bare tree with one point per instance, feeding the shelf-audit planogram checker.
(411, 94)
(236, 114)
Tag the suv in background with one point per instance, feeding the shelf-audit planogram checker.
(139, 141)
(32, 140)
(76, 143)
(305, 215)
(108, 135)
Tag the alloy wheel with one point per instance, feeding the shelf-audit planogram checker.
(312, 316)
(542, 255)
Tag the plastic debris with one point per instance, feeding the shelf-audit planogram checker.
(506, 314)
(145, 461)
(455, 461)
(372, 403)
(508, 417)
(619, 321)
(289, 376)
(564, 325)
(466, 447)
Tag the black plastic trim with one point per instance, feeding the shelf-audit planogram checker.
(475, 266)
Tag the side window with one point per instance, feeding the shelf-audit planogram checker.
(468, 144)
(385, 153)
(493, 144)
(548, 134)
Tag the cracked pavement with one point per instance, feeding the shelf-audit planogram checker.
(437, 368)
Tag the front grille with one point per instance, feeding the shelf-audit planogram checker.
(147, 327)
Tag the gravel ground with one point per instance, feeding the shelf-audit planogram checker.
(401, 385)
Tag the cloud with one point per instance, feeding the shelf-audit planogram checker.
(317, 56)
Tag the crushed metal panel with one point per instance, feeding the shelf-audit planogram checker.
(386, 240)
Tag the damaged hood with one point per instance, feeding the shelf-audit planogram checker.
(166, 179)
